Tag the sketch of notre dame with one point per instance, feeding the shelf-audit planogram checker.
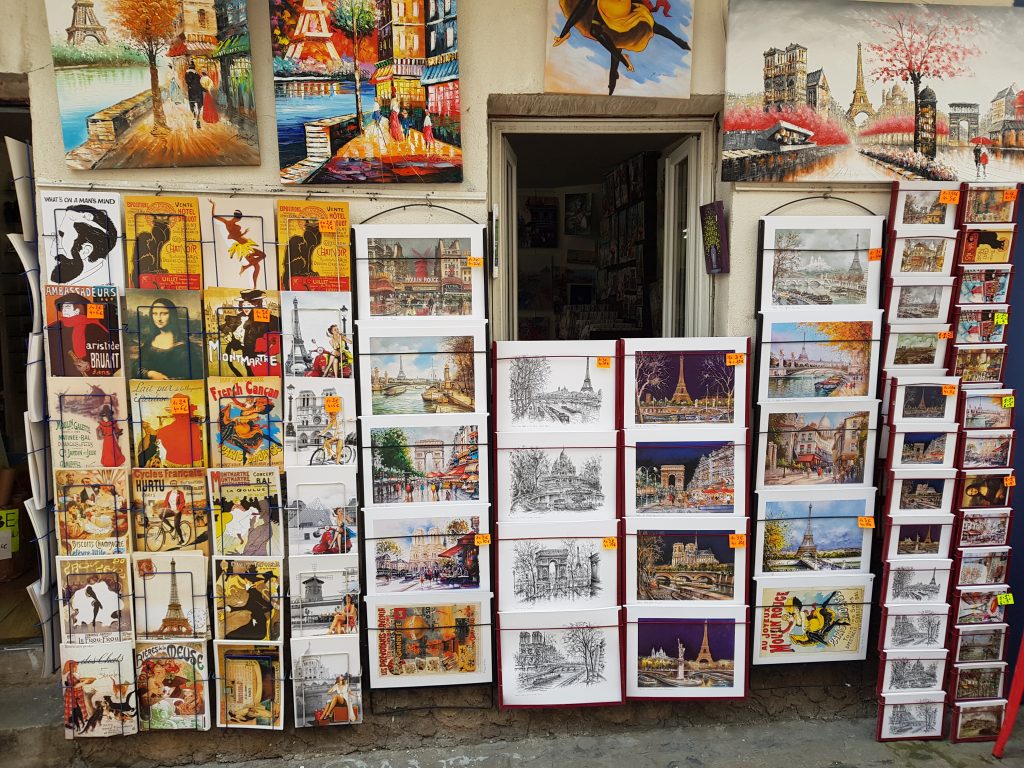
(540, 484)
(910, 719)
(914, 674)
(909, 631)
(532, 399)
(560, 658)
(545, 571)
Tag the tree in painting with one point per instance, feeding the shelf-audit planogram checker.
(358, 19)
(651, 373)
(585, 642)
(149, 25)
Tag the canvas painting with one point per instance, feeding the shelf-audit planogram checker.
(627, 49)
(174, 686)
(246, 512)
(917, 581)
(989, 409)
(170, 591)
(987, 245)
(980, 326)
(164, 242)
(169, 423)
(245, 422)
(88, 422)
(984, 285)
(910, 627)
(313, 245)
(164, 335)
(239, 237)
(984, 449)
(972, 644)
(171, 510)
(82, 238)
(918, 536)
(323, 595)
(869, 93)
(83, 331)
(983, 566)
(984, 528)
(148, 84)
(367, 92)
(320, 422)
(98, 688)
(95, 599)
(247, 598)
(911, 716)
(243, 332)
(921, 254)
(250, 685)
(327, 681)
(317, 328)
(91, 511)
(912, 671)
(321, 511)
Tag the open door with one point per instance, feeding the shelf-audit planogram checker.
(504, 287)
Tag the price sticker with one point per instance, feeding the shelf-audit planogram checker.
(1010, 195)
(180, 406)
(604, 362)
(1004, 599)
(482, 540)
(475, 261)
(332, 404)
(735, 358)
(261, 315)
(949, 390)
(1009, 401)
(328, 226)
(945, 334)
(1001, 318)
(96, 311)
(866, 522)
(1010, 481)
(949, 196)
(874, 254)
(610, 542)
(738, 540)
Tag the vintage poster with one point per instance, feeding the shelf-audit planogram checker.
(418, 642)
(150, 85)
(164, 334)
(174, 686)
(313, 244)
(327, 681)
(164, 242)
(987, 244)
(95, 599)
(98, 687)
(606, 48)
(171, 510)
(239, 237)
(83, 239)
(168, 422)
(370, 101)
(83, 331)
(250, 685)
(170, 590)
(243, 332)
(322, 508)
(92, 511)
(869, 93)
(88, 422)
(248, 598)
(323, 595)
(796, 622)
(991, 203)
(430, 272)
(246, 512)
(320, 422)
(317, 328)
(245, 422)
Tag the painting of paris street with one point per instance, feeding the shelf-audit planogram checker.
(154, 83)
(837, 90)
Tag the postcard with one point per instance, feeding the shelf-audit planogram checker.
(987, 409)
(984, 284)
(987, 643)
(250, 685)
(320, 422)
(910, 348)
(987, 244)
(983, 565)
(982, 325)
(921, 491)
(313, 245)
(430, 272)
(809, 262)
(560, 659)
(986, 449)
(919, 299)
(238, 235)
(317, 329)
(169, 423)
(977, 721)
(246, 512)
(425, 642)
(98, 686)
(913, 716)
(83, 331)
(933, 253)
(322, 511)
(796, 621)
(82, 237)
(539, 384)
(243, 332)
(979, 363)
(92, 511)
(984, 528)
(989, 203)
(928, 444)
(170, 510)
(323, 595)
(918, 536)
(918, 205)
(247, 598)
(983, 680)
(88, 422)
(798, 531)
(924, 399)
(95, 599)
(164, 335)
(327, 681)
(164, 242)
(170, 591)
(245, 422)
(174, 686)
(914, 627)
(984, 488)
(979, 605)
(912, 671)
(685, 381)
(916, 581)
(561, 476)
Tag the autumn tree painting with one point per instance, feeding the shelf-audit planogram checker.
(149, 25)
(358, 19)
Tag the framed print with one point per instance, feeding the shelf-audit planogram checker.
(545, 477)
(322, 511)
(822, 443)
(910, 348)
(425, 271)
(983, 565)
(170, 510)
(987, 409)
(932, 254)
(587, 644)
(245, 421)
(686, 653)
(91, 510)
(981, 325)
(918, 537)
(923, 399)
(327, 681)
(169, 423)
(317, 327)
(804, 359)
(248, 598)
(175, 678)
(540, 384)
(921, 205)
(170, 593)
(243, 332)
(913, 582)
(413, 371)
(239, 238)
(985, 203)
(914, 627)
(927, 445)
(246, 512)
(979, 363)
(323, 595)
(921, 491)
(689, 382)
(919, 299)
(985, 488)
(796, 621)
(986, 449)
(986, 244)
(163, 334)
(912, 671)
(319, 422)
(972, 644)
(82, 237)
(98, 689)
(431, 459)
(250, 685)
(577, 219)
(813, 261)
(799, 531)
(668, 471)
(88, 422)
(989, 284)
(984, 528)
(95, 599)
(977, 721)
(979, 605)
(83, 331)
(428, 641)
(912, 716)
(684, 561)
(557, 566)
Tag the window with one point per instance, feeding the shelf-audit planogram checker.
(202, 18)
(450, 36)
(433, 40)
(448, 6)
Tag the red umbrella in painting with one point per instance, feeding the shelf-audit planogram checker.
(981, 140)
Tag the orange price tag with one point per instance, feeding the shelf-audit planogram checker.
(180, 406)
(949, 196)
(738, 540)
(261, 315)
(945, 334)
(610, 542)
(1009, 195)
(874, 254)
(949, 389)
(735, 358)
(332, 404)
(866, 522)
(328, 226)
(1009, 401)
(1010, 481)
(482, 539)
(604, 362)
(475, 261)
(95, 311)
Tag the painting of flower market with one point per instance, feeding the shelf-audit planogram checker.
(867, 92)
(367, 91)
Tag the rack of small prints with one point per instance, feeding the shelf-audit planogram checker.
(817, 365)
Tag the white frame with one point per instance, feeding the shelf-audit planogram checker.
(939, 610)
(1002, 298)
(1006, 513)
(1000, 629)
(986, 434)
(899, 396)
(898, 284)
(890, 700)
(885, 678)
(959, 337)
(898, 441)
(942, 573)
(976, 552)
(96, 662)
(944, 539)
(278, 683)
(931, 329)
(898, 234)
(899, 199)
(996, 617)
(1011, 229)
(956, 726)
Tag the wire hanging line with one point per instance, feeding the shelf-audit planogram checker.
(822, 196)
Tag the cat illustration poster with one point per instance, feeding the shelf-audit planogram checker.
(98, 686)
(83, 330)
(246, 512)
(88, 422)
(164, 242)
(245, 422)
(163, 335)
(170, 510)
(92, 511)
(167, 421)
(82, 238)
(174, 686)
(95, 599)
(313, 244)
(247, 597)
(239, 237)
(243, 332)
(317, 328)
(170, 591)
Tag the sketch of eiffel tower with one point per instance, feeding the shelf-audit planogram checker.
(297, 355)
(84, 24)
(175, 621)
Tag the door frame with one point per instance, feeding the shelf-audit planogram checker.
(502, 286)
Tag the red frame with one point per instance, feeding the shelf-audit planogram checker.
(887, 535)
(962, 205)
(941, 735)
(884, 621)
(961, 308)
(958, 530)
(962, 269)
(961, 448)
(883, 657)
(961, 243)
(955, 642)
(954, 679)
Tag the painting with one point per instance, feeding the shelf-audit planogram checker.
(327, 681)
(98, 688)
(924, 398)
(164, 334)
(984, 285)
(983, 565)
(991, 203)
(912, 671)
(323, 595)
(919, 299)
(174, 680)
(169, 423)
(911, 254)
(82, 238)
(239, 234)
(578, 216)
(250, 685)
(973, 644)
(984, 528)
(910, 348)
(909, 627)
(88, 422)
(982, 488)
(95, 599)
(918, 536)
(979, 605)
(170, 596)
(985, 449)
(932, 448)
(321, 511)
(911, 716)
(247, 598)
(918, 581)
(988, 409)
(627, 49)
(367, 92)
(924, 205)
(148, 84)
(170, 510)
(981, 721)
(317, 328)
(979, 363)
(982, 325)
(870, 93)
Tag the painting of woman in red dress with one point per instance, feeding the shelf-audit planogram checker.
(109, 432)
(210, 113)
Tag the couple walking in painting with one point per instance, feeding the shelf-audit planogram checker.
(200, 93)
(980, 162)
